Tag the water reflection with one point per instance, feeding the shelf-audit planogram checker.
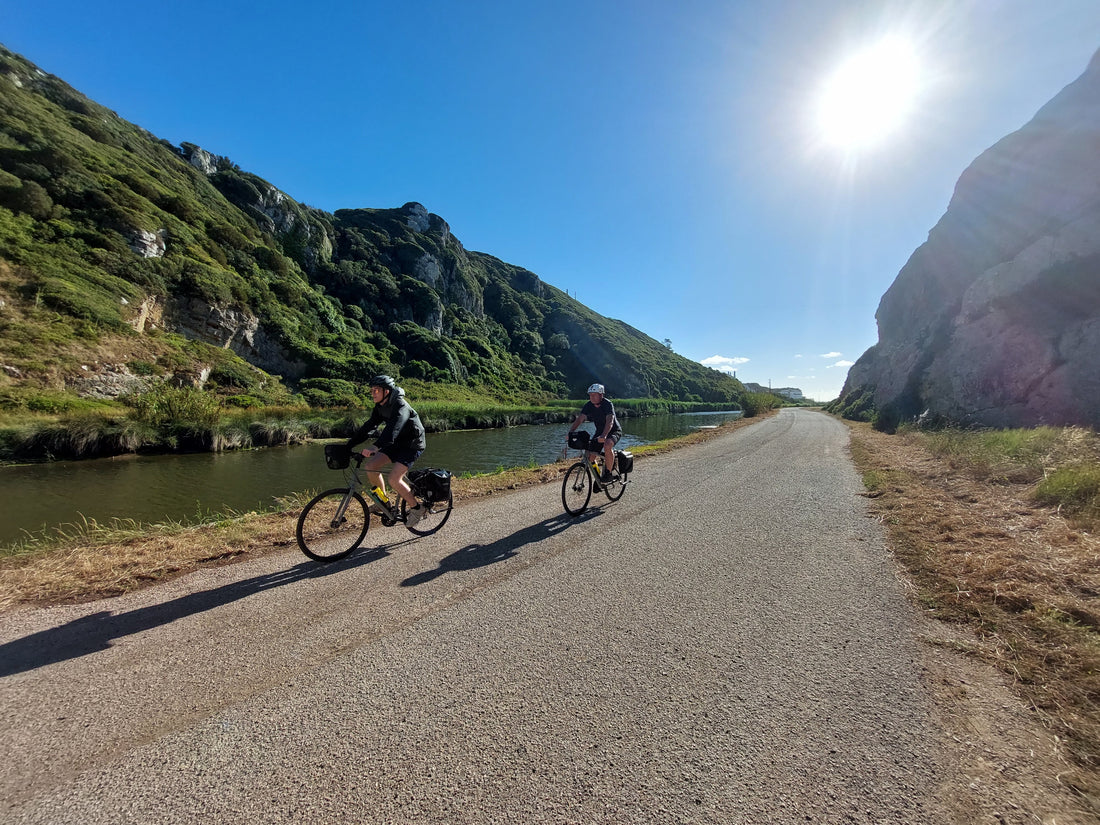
(187, 488)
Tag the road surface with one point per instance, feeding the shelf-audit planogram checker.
(726, 644)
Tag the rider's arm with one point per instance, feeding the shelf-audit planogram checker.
(360, 435)
(580, 419)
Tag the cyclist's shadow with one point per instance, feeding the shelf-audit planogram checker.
(481, 555)
(97, 631)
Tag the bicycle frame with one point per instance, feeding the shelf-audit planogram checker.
(390, 513)
(594, 462)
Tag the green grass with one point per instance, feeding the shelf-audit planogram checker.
(1074, 489)
(1062, 462)
(1016, 455)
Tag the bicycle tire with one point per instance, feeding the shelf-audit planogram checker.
(321, 539)
(615, 489)
(576, 489)
(435, 518)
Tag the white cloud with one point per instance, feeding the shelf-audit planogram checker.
(830, 354)
(798, 355)
(724, 363)
(840, 364)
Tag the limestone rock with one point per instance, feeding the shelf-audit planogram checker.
(148, 244)
(995, 319)
(202, 160)
(231, 329)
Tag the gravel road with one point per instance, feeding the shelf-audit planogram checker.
(726, 644)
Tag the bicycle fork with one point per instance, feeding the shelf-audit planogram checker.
(338, 517)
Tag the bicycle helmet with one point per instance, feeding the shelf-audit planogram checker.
(383, 381)
(597, 388)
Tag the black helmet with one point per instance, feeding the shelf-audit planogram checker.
(383, 381)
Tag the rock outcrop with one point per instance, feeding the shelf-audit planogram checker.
(995, 319)
(230, 329)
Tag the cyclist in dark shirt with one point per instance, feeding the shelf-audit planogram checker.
(601, 412)
(401, 441)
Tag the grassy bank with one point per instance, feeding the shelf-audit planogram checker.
(187, 420)
(997, 530)
(88, 561)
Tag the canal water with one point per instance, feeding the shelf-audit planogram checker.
(189, 488)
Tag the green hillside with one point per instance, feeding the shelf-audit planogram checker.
(127, 263)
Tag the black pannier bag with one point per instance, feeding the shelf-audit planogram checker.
(578, 439)
(433, 484)
(624, 461)
(337, 456)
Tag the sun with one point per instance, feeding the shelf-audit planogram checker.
(870, 96)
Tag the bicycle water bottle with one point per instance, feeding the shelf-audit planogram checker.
(381, 495)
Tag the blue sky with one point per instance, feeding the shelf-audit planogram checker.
(665, 162)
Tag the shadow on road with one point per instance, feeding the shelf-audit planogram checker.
(96, 631)
(481, 555)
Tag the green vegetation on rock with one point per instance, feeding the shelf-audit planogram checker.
(130, 268)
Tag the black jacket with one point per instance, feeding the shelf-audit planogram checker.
(402, 425)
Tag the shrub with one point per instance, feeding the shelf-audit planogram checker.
(175, 408)
(330, 392)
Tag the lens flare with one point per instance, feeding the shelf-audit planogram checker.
(870, 96)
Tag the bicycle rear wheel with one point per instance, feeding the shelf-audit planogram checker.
(436, 517)
(576, 489)
(614, 488)
(332, 525)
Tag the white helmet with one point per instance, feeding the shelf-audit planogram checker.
(596, 388)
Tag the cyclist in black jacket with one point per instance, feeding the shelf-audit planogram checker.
(401, 441)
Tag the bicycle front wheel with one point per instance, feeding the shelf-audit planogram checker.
(333, 524)
(436, 517)
(576, 489)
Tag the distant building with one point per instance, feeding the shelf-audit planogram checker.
(793, 393)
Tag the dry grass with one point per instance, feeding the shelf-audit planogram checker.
(982, 553)
(96, 563)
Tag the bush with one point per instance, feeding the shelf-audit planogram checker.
(330, 392)
(175, 408)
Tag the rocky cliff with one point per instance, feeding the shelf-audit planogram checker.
(995, 319)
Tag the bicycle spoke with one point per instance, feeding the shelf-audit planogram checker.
(332, 525)
(435, 518)
(576, 489)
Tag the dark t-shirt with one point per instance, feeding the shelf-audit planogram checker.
(598, 416)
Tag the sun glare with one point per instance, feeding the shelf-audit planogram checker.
(870, 96)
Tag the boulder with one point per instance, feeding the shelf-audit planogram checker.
(995, 319)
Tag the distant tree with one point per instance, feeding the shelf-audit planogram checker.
(31, 199)
(668, 343)
(558, 341)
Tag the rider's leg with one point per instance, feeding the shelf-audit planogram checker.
(609, 454)
(373, 467)
(398, 483)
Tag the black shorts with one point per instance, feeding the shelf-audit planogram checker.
(612, 437)
(401, 455)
